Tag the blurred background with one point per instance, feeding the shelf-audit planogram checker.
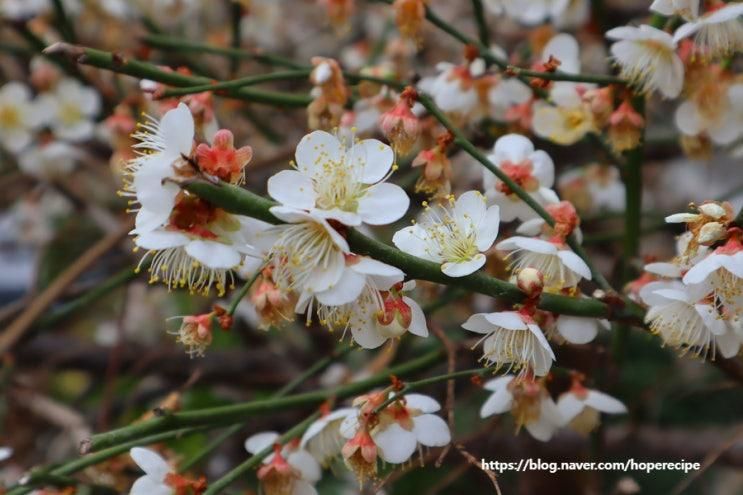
(87, 345)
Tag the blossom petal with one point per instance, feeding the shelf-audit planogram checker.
(576, 329)
(161, 239)
(177, 130)
(259, 441)
(487, 230)
(498, 403)
(478, 323)
(150, 462)
(367, 335)
(315, 149)
(306, 464)
(463, 268)
(513, 148)
(412, 240)
(396, 444)
(383, 204)
(498, 383)
(374, 158)
(418, 324)
(569, 406)
(509, 320)
(534, 245)
(292, 189)
(146, 485)
(345, 290)
(214, 255)
(422, 402)
(575, 263)
(431, 430)
(605, 403)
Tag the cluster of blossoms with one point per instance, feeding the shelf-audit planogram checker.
(188, 241)
(338, 186)
(380, 427)
(675, 65)
(696, 300)
(527, 399)
(43, 129)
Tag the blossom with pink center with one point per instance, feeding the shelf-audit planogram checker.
(392, 434)
(289, 470)
(532, 170)
(222, 160)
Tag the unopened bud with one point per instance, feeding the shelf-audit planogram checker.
(711, 232)
(712, 210)
(530, 281)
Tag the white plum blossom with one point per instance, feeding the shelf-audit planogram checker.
(156, 469)
(5, 453)
(532, 170)
(533, 12)
(514, 339)
(560, 266)
(647, 57)
(568, 119)
(199, 256)
(456, 236)
(345, 184)
(721, 272)
(19, 116)
(161, 148)
(573, 16)
(49, 160)
(378, 315)
(453, 89)
(580, 407)
(404, 426)
(593, 188)
(307, 253)
(683, 317)
(528, 402)
(289, 470)
(323, 438)
(564, 48)
(70, 109)
(725, 128)
(718, 32)
(688, 9)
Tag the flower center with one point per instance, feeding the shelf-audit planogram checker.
(338, 186)
(69, 114)
(521, 174)
(10, 117)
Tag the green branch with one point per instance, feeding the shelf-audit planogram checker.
(632, 175)
(482, 25)
(36, 477)
(239, 83)
(234, 413)
(116, 63)
(243, 202)
(170, 44)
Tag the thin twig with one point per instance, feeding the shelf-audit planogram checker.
(24, 321)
